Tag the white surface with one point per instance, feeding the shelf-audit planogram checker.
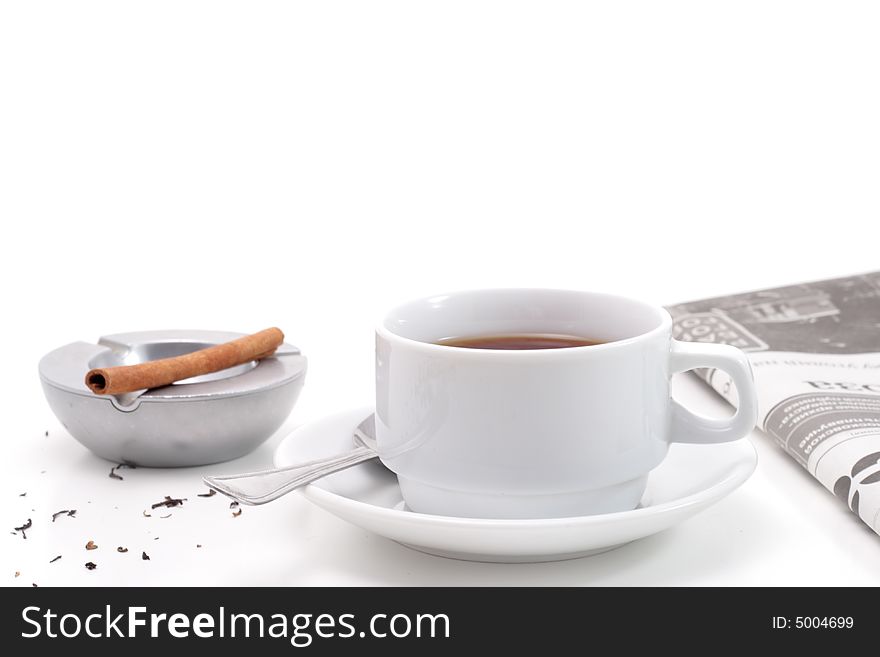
(690, 479)
(233, 166)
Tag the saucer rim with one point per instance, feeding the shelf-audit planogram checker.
(744, 469)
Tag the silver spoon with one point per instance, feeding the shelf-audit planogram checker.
(268, 485)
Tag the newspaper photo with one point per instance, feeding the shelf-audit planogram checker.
(815, 353)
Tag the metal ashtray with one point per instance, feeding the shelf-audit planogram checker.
(205, 419)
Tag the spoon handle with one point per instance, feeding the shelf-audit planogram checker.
(268, 485)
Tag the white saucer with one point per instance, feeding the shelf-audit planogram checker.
(690, 479)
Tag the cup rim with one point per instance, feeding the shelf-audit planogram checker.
(664, 325)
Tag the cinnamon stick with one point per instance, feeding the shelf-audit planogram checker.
(163, 372)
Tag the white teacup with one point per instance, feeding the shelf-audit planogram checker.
(540, 433)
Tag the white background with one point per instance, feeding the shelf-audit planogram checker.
(240, 165)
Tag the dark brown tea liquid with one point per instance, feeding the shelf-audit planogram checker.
(520, 341)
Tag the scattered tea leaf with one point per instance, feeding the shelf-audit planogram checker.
(63, 512)
(147, 515)
(198, 545)
(47, 433)
(91, 565)
(113, 474)
(91, 546)
(169, 502)
(167, 515)
(211, 493)
(72, 513)
(122, 549)
(24, 528)
(235, 514)
(22, 494)
(145, 556)
(55, 559)
(233, 505)
(17, 573)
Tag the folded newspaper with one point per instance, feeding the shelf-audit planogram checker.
(815, 354)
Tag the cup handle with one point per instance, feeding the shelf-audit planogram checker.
(688, 427)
